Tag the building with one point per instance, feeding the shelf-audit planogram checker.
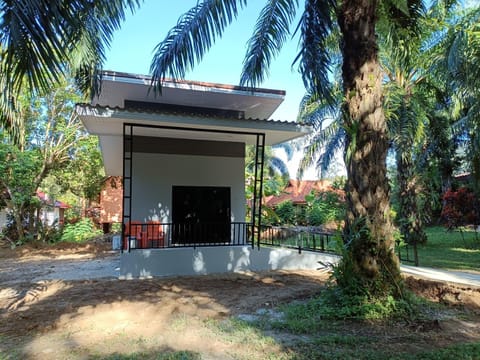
(181, 155)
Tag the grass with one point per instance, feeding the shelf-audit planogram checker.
(448, 250)
(379, 351)
(153, 355)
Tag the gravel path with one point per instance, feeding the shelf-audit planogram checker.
(36, 269)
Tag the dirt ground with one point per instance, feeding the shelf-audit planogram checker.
(66, 302)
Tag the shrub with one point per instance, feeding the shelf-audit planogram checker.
(286, 212)
(80, 231)
(460, 208)
(324, 207)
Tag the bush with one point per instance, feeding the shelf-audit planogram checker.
(286, 212)
(460, 208)
(325, 207)
(80, 231)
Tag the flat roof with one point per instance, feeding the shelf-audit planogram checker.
(119, 87)
(222, 113)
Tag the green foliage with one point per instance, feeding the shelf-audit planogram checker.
(83, 174)
(80, 231)
(458, 352)
(324, 207)
(286, 212)
(334, 304)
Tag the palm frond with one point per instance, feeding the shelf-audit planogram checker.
(288, 147)
(41, 40)
(402, 16)
(314, 61)
(194, 34)
(38, 36)
(270, 33)
(335, 145)
(278, 166)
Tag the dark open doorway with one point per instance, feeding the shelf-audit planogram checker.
(200, 214)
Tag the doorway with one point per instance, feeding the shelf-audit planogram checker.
(201, 214)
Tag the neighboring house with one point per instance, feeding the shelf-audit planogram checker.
(181, 154)
(3, 218)
(50, 213)
(296, 190)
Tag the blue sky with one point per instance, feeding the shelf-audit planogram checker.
(133, 46)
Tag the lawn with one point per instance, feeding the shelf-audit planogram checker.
(448, 250)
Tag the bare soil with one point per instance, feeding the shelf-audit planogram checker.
(65, 302)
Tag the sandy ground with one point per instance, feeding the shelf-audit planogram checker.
(67, 303)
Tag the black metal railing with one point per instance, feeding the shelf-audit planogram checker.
(152, 235)
(300, 238)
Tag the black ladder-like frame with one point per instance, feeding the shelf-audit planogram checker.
(127, 179)
(258, 190)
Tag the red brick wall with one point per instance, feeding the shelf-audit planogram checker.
(111, 200)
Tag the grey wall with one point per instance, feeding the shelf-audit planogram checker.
(155, 174)
(211, 260)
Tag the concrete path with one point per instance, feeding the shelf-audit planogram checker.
(458, 277)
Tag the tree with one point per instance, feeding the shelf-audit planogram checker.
(39, 38)
(83, 174)
(52, 133)
(461, 59)
(17, 169)
(369, 231)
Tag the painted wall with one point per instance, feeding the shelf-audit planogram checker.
(3, 218)
(155, 174)
(211, 260)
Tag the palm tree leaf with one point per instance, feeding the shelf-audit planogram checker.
(287, 147)
(191, 38)
(270, 33)
(41, 40)
(335, 144)
(314, 61)
(38, 36)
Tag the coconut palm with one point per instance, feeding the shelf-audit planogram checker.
(40, 39)
(370, 255)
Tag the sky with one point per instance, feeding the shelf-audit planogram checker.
(133, 46)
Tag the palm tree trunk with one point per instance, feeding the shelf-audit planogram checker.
(369, 230)
(410, 222)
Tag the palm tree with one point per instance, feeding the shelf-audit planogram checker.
(370, 255)
(462, 61)
(41, 39)
(328, 136)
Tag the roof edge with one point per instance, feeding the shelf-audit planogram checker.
(113, 74)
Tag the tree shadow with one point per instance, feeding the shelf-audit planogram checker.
(31, 310)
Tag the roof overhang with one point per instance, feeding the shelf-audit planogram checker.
(107, 115)
(253, 103)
